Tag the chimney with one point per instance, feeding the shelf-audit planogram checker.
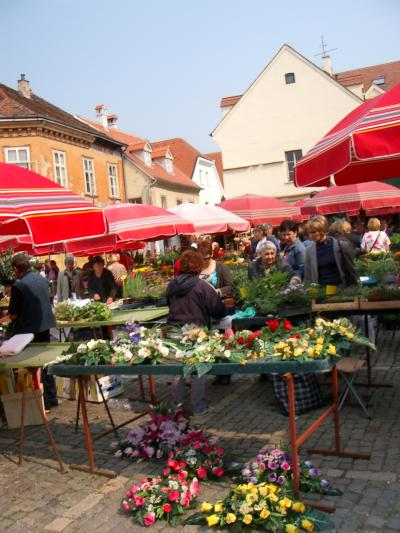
(101, 115)
(112, 121)
(327, 64)
(23, 87)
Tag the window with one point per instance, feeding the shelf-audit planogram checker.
(147, 158)
(290, 78)
(60, 168)
(164, 202)
(201, 178)
(206, 180)
(379, 81)
(113, 181)
(291, 159)
(168, 166)
(18, 156)
(178, 202)
(88, 174)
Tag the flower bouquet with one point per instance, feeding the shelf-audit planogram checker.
(201, 454)
(154, 438)
(263, 506)
(161, 498)
(93, 352)
(275, 466)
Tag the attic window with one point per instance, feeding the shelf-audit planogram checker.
(168, 166)
(379, 81)
(147, 158)
(290, 78)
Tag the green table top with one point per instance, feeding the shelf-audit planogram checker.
(120, 317)
(258, 367)
(34, 356)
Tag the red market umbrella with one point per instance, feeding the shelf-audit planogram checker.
(373, 197)
(364, 146)
(98, 245)
(141, 222)
(34, 205)
(261, 209)
(23, 243)
(210, 218)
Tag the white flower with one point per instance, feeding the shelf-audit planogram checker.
(164, 350)
(179, 354)
(82, 348)
(142, 331)
(227, 353)
(92, 344)
(144, 352)
(127, 356)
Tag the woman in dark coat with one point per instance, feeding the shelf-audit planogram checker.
(192, 300)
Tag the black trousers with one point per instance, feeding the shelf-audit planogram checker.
(49, 383)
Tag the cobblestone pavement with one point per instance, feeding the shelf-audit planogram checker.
(35, 497)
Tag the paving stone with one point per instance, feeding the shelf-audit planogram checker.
(59, 524)
(83, 506)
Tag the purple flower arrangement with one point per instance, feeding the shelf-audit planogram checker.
(275, 466)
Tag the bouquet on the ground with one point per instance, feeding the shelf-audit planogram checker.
(161, 498)
(154, 438)
(263, 506)
(275, 466)
(201, 454)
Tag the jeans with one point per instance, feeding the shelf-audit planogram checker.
(197, 392)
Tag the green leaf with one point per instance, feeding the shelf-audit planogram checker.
(188, 370)
(196, 518)
(321, 520)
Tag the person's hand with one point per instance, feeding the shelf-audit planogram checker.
(109, 301)
(97, 297)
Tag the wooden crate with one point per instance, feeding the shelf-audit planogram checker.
(354, 305)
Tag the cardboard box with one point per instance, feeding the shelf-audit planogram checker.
(110, 385)
(67, 388)
(12, 408)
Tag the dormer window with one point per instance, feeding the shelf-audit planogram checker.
(290, 78)
(379, 81)
(147, 158)
(168, 166)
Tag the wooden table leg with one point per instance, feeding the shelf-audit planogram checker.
(91, 468)
(22, 425)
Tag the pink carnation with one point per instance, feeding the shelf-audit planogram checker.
(149, 519)
(220, 452)
(173, 496)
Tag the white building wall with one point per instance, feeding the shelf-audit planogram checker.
(274, 117)
(206, 176)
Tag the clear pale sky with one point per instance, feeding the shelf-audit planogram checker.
(163, 66)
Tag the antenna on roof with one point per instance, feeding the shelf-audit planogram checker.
(326, 59)
(325, 52)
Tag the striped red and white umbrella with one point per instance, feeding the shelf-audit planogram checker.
(364, 146)
(261, 209)
(34, 205)
(210, 218)
(373, 197)
(141, 222)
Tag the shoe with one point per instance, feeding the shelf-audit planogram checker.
(205, 412)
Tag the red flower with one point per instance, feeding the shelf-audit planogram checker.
(287, 324)
(220, 452)
(149, 519)
(295, 336)
(201, 473)
(173, 496)
(207, 448)
(272, 324)
(240, 340)
(167, 508)
(126, 506)
(182, 464)
(182, 475)
(196, 444)
(173, 464)
(139, 501)
(218, 471)
(166, 472)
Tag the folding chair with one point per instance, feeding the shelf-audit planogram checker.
(348, 367)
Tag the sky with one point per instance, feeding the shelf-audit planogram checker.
(163, 66)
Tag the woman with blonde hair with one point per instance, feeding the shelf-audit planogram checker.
(375, 239)
(327, 260)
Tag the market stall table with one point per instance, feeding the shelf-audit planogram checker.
(31, 358)
(288, 368)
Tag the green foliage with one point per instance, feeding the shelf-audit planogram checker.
(92, 312)
(377, 265)
(263, 293)
(6, 271)
(240, 278)
(395, 242)
(139, 288)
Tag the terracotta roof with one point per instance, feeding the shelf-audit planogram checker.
(217, 158)
(389, 71)
(125, 138)
(185, 155)
(137, 146)
(227, 101)
(156, 171)
(159, 152)
(14, 105)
